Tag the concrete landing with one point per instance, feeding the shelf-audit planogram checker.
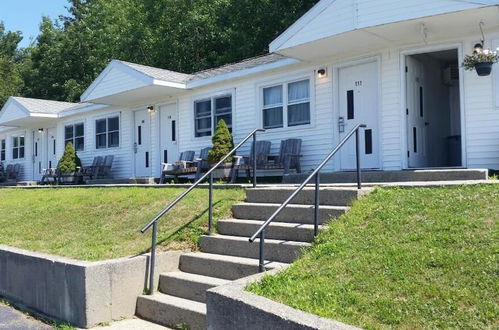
(395, 176)
(132, 324)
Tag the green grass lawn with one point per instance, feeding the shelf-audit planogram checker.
(402, 258)
(102, 223)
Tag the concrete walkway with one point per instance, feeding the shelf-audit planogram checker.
(132, 324)
(12, 319)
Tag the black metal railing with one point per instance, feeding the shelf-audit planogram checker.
(316, 173)
(154, 222)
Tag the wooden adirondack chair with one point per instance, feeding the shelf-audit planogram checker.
(202, 162)
(2, 173)
(105, 168)
(92, 171)
(183, 166)
(289, 156)
(49, 173)
(246, 163)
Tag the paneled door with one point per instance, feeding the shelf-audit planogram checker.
(358, 104)
(417, 123)
(142, 143)
(38, 154)
(168, 133)
(51, 148)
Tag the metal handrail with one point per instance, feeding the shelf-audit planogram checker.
(154, 222)
(316, 173)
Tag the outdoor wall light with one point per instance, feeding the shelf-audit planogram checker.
(40, 130)
(151, 109)
(322, 73)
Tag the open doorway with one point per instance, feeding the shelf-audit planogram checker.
(433, 109)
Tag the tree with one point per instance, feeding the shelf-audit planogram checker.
(69, 160)
(10, 64)
(222, 143)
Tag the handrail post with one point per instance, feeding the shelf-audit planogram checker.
(316, 209)
(261, 257)
(357, 159)
(210, 200)
(153, 257)
(254, 160)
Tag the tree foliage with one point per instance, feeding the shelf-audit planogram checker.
(69, 160)
(10, 64)
(222, 143)
(179, 35)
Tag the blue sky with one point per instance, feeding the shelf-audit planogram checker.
(26, 15)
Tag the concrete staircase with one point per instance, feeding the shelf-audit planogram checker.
(228, 255)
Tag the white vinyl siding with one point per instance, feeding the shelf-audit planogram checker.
(75, 134)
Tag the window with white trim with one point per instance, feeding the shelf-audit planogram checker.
(107, 132)
(286, 105)
(75, 134)
(18, 147)
(3, 145)
(208, 112)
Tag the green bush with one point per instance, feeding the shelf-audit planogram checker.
(69, 160)
(222, 143)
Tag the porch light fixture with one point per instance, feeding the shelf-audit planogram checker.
(40, 130)
(478, 48)
(151, 109)
(322, 73)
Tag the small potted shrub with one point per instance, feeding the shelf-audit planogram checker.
(222, 145)
(68, 166)
(481, 61)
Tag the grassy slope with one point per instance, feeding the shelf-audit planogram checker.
(102, 223)
(404, 258)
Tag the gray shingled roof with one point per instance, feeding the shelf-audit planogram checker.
(239, 66)
(158, 73)
(47, 106)
(178, 77)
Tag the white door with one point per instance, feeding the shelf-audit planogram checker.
(417, 123)
(168, 133)
(51, 148)
(142, 144)
(358, 104)
(38, 156)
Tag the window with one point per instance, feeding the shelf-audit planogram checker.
(205, 120)
(2, 150)
(290, 102)
(18, 147)
(107, 132)
(76, 135)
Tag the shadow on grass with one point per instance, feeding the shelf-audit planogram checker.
(181, 229)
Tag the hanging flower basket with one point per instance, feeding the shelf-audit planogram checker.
(484, 68)
(481, 62)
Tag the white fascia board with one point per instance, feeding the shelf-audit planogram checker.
(299, 24)
(164, 83)
(242, 73)
(77, 111)
(43, 115)
(480, 2)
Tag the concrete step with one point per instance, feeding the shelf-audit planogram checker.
(172, 311)
(395, 176)
(292, 213)
(276, 230)
(187, 285)
(275, 250)
(222, 266)
(328, 195)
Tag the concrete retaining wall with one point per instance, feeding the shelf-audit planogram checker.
(81, 293)
(231, 307)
